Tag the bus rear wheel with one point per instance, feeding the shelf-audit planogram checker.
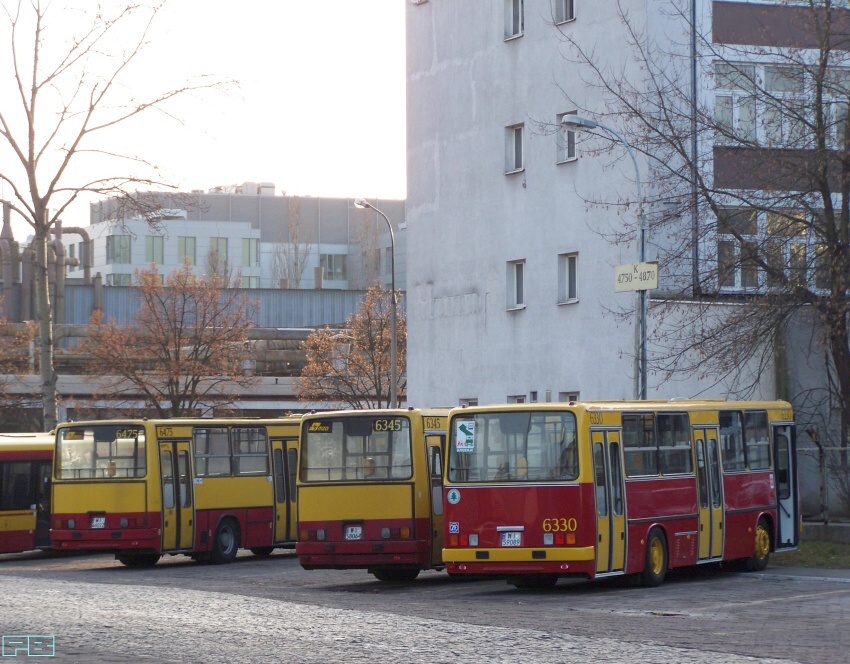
(761, 554)
(226, 543)
(655, 568)
(262, 551)
(396, 575)
(137, 559)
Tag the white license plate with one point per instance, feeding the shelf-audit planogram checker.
(512, 539)
(353, 532)
(98, 522)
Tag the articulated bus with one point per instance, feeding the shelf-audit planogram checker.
(25, 460)
(534, 492)
(199, 487)
(370, 491)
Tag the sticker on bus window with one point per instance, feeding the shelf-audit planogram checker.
(465, 436)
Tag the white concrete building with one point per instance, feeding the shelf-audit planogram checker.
(510, 288)
(270, 241)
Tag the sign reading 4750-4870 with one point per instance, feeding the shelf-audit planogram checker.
(635, 277)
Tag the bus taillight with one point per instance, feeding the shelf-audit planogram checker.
(313, 535)
(558, 539)
(395, 533)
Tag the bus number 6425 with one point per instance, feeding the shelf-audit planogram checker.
(561, 525)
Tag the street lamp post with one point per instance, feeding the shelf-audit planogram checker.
(363, 203)
(640, 331)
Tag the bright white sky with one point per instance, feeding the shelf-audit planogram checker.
(320, 109)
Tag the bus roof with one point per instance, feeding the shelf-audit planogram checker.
(27, 441)
(648, 405)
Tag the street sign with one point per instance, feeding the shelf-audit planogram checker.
(635, 277)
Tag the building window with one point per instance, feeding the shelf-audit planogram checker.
(388, 260)
(186, 250)
(250, 282)
(737, 249)
(776, 250)
(469, 401)
(336, 266)
(250, 252)
(218, 245)
(564, 11)
(565, 140)
(154, 249)
(735, 106)
(567, 278)
(513, 18)
(119, 279)
(513, 149)
(566, 397)
(784, 106)
(516, 285)
(516, 398)
(118, 249)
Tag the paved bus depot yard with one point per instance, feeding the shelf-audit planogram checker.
(268, 610)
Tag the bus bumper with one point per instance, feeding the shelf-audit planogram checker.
(106, 540)
(363, 555)
(507, 562)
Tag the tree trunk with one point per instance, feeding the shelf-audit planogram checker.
(45, 332)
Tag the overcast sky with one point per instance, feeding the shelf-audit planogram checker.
(320, 109)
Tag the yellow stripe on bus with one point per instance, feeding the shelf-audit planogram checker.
(334, 503)
(517, 555)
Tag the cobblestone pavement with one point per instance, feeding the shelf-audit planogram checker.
(268, 610)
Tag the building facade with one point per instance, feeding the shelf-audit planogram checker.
(520, 219)
(267, 240)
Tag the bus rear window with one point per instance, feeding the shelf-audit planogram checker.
(515, 446)
(101, 451)
(366, 448)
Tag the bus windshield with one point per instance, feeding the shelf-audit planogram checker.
(515, 446)
(101, 450)
(365, 447)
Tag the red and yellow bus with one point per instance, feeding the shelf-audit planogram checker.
(370, 491)
(199, 487)
(534, 492)
(25, 460)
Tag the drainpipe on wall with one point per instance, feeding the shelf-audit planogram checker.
(85, 251)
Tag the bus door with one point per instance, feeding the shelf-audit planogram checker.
(709, 494)
(434, 447)
(42, 515)
(787, 507)
(178, 532)
(284, 467)
(610, 505)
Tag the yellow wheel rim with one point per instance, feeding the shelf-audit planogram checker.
(656, 556)
(762, 542)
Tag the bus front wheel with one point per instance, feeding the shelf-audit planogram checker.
(226, 543)
(761, 554)
(655, 568)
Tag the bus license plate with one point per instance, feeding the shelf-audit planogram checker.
(512, 539)
(98, 522)
(353, 532)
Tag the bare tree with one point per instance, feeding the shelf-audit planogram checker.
(292, 251)
(61, 109)
(745, 138)
(186, 349)
(352, 365)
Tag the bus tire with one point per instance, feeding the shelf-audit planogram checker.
(655, 567)
(226, 543)
(533, 581)
(262, 551)
(137, 559)
(395, 575)
(761, 554)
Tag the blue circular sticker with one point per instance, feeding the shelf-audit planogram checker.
(453, 496)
